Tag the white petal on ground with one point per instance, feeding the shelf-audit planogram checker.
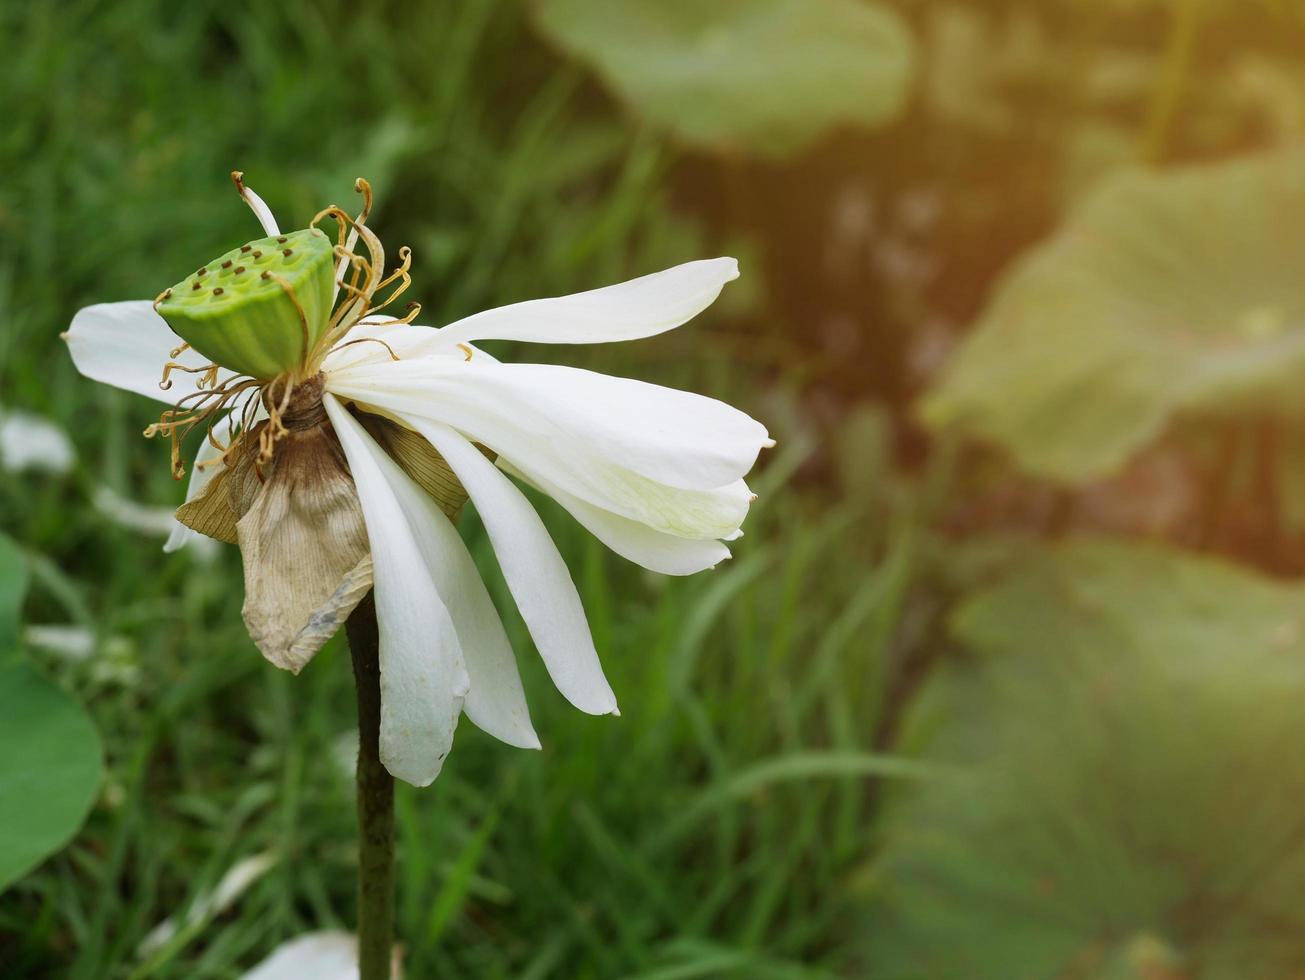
(423, 680)
(67, 642)
(495, 700)
(126, 345)
(654, 550)
(329, 955)
(641, 307)
(233, 884)
(538, 578)
(146, 519)
(30, 442)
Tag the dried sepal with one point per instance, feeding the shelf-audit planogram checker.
(211, 513)
(229, 493)
(421, 461)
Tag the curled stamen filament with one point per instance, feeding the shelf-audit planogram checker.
(370, 340)
(178, 422)
(208, 374)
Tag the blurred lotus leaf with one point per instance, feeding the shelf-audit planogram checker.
(768, 76)
(1135, 803)
(1166, 296)
(13, 586)
(50, 758)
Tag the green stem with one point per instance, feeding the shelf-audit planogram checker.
(375, 804)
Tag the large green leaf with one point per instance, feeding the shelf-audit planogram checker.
(13, 586)
(50, 767)
(762, 75)
(50, 758)
(1135, 804)
(1174, 295)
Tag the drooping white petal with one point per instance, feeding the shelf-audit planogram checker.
(495, 700)
(642, 307)
(654, 550)
(31, 442)
(432, 388)
(676, 438)
(536, 575)
(423, 679)
(126, 345)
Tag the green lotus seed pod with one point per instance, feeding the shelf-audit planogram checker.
(237, 311)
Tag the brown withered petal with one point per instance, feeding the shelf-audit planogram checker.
(304, 547)
(301, 535)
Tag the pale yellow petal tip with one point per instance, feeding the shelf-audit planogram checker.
(768, 444)
(734, 268)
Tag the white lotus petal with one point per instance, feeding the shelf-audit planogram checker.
(329, 955)
(72, 643)
(671, 437)
(239, 877)
(676, 438)
(423, 680)
(576, 450)
(261, 211)
(126, 345)
(538, 578)
(144, 519)
(495, 700)
(654, 550)
(641, 307)
(30, 442)
(567, 463)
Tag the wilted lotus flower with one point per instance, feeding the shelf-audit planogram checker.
(341, 443)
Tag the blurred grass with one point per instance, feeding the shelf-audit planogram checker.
(717, 828)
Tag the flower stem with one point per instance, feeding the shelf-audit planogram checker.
(375, 804)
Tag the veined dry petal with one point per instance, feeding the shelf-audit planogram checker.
(303, 543)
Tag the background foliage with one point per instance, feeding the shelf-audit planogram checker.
(1000, 683)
